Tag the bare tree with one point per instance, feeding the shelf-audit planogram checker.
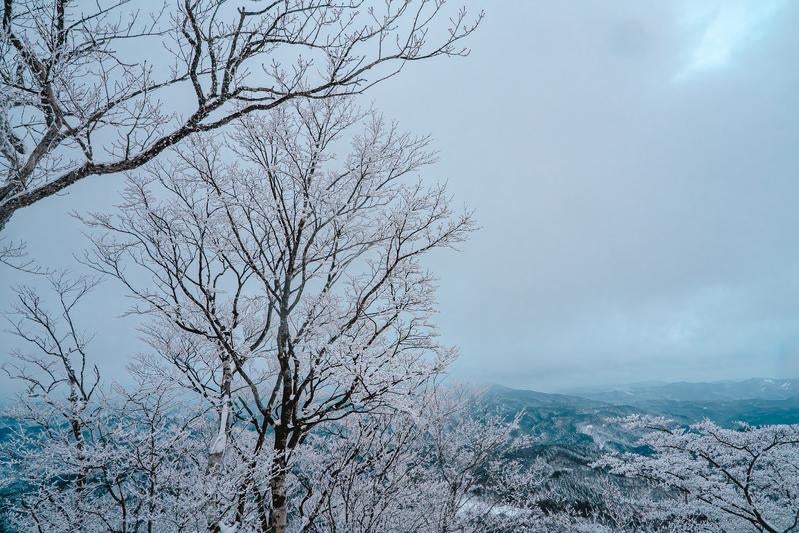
(56, 372)
(93, 89)
(82, 462)
(443, 467)
(742, 479)
(286, 287)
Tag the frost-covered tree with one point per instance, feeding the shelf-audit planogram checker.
(135, 459)
(600, 503)
(743, 479)
(95, 88)
(78, 461)
(445, 466)
(285, 288)
(60, 400)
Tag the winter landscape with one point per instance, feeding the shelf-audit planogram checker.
(399, 266)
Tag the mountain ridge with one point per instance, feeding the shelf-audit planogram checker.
(748, 389)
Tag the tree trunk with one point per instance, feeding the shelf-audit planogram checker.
(216, 452)
(278, 515)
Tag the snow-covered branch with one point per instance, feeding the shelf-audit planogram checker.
(100, 88)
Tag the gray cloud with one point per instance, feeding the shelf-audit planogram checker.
(638, 211)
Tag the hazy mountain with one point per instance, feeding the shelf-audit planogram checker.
(750, 389)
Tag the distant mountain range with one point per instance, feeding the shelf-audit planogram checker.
(572, 430)
(750, 389)
(755, 401)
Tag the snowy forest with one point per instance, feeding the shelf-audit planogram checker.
(274, 239)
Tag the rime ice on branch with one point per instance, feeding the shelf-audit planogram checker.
(287, 285)
(92, 89)
(739, 479)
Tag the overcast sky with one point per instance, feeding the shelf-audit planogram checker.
(633, 166)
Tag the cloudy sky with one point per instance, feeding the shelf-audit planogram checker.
(633, 168)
